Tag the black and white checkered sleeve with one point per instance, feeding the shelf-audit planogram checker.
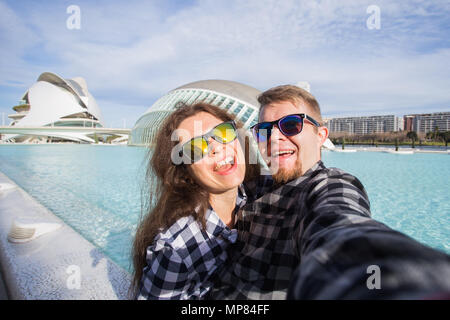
(333, 200)
(166, 276)
(338, 241)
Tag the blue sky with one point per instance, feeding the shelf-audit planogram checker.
(133, 52)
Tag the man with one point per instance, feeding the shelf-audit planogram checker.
(307, 233)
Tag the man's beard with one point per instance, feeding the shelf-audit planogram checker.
(284, 175)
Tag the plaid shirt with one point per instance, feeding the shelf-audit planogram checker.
(271, 228)
(313, 238)
(182, 260)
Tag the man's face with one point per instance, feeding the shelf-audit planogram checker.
(299, 152)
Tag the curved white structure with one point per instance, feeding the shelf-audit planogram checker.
(234, 97)
(56, 102)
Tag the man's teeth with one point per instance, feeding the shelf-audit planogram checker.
(227, 160)
(278, 153)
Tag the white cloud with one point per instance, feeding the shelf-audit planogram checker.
(16, 38)
(132, 53)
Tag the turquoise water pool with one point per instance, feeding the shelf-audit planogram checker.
(96, 189)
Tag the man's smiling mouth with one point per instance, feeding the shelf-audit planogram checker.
(283, 152)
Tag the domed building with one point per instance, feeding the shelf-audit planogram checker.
(237, 98)
(56, 102)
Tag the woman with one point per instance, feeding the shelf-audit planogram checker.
(181, 243)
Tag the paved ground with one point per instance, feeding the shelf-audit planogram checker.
(3, 294)
(41, 269)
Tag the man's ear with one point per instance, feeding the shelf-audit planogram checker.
(322, 134)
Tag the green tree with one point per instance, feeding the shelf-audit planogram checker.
(436, 133)
(445, 136)
(396, 144)
(413, 136)
(343, 143)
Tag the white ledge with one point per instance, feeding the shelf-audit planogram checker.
(50, 266)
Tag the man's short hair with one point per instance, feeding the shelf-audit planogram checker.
(292, 94)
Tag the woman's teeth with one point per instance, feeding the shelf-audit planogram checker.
(227, 160)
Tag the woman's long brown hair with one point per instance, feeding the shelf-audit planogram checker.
(170, 191)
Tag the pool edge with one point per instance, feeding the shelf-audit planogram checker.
(59, 265)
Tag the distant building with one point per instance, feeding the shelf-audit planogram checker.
(237, 98)
(56, 102)
(424, 123)
(408, 123)
(365, 125)
(400, 123)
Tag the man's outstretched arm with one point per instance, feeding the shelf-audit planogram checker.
(345, 254)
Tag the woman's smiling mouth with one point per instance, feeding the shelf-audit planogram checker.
(226, 166)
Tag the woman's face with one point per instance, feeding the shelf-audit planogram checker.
(223, 168)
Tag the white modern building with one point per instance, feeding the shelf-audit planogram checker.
(237, 98)
(56, 102)
(365, 124)
(424, 123)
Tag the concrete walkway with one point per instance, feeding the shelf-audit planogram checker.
(349, 147)
(3, 291)
(59, 265)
